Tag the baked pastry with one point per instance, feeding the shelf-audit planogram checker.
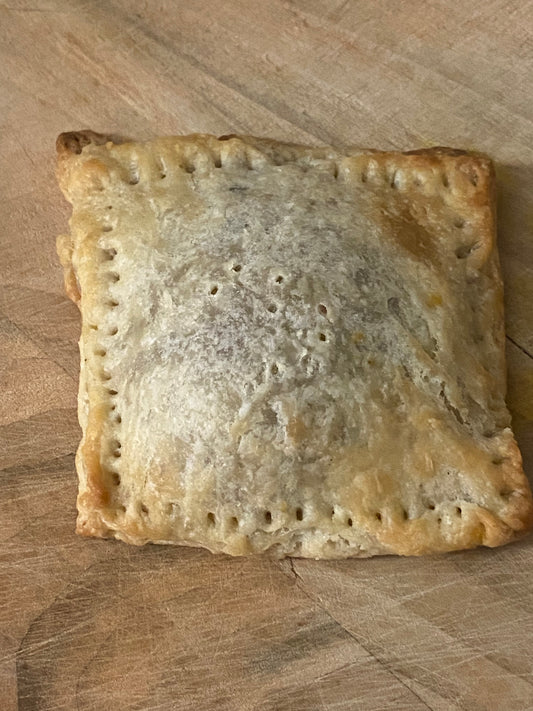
(289, 348)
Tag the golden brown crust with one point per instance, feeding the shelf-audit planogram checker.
(73, 142)
(422, 223)
(64, 250)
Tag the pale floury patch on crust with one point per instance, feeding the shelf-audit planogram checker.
(289, 348)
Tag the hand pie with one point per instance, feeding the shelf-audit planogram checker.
(289, 348)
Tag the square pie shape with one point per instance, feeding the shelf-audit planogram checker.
(289, 348)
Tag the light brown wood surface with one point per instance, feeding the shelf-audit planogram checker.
(88, 624)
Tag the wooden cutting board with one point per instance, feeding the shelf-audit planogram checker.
(89, 624)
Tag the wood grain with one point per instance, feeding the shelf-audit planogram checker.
(99, 625)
